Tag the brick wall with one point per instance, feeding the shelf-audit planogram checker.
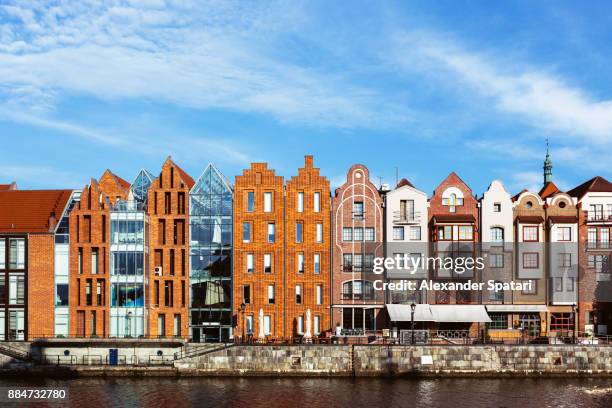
(41, 286)
(168, 209)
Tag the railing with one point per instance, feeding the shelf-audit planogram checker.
(406, 217)
(599, 245)
(358, 215)
(599, 216)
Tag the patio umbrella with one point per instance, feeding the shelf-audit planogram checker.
(262, 335)
(308, 334)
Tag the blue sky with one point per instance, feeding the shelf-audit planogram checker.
(428, 87)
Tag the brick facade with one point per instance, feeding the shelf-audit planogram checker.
(308, 182)
(259, 179)
(168, 209)
(41, 286)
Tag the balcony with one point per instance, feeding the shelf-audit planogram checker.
(406, 217)
(599, 216)
(595, 245)
(358, 215)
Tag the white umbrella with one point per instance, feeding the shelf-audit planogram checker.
(262, 335)
(307, 334)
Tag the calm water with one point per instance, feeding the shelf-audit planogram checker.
(330, 393)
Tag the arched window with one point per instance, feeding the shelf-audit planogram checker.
(358, 290)
(497, 234)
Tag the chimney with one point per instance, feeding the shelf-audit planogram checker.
(52, 222)
(308, 161)
(13, 186)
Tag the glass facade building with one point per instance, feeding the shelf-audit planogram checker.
(210, 271)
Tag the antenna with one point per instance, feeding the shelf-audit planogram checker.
(380, 181)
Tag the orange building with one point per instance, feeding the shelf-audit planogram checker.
(168, 286)
(308, 251)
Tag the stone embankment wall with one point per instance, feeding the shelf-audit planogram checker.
(401, 361)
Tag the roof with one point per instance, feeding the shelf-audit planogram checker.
(8, 187)
(548, 190)
(563, 219)
(187, 179)
(29, 210)
(530, 219)
(597, 184)
(454, 218)
(404, 182)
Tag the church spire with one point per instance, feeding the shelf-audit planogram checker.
(547, 166)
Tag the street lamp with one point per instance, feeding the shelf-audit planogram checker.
(575, 321)
(412, 309)
(241, 309)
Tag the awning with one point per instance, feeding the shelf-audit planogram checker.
(403, 313)
(563, 219)
(530, 219)
(457, 218)
(516, 308)
(460, 313)
(438, 313)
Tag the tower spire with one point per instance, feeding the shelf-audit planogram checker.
(547, 165)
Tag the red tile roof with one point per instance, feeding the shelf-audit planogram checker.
(548, 190)
(595, 185)
(29, 210)
(404, 182)
(8, 187)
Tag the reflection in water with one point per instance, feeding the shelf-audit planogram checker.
(330, 392)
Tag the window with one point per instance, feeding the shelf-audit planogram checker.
(530, 233)
(497, 234)
(271, 294)
(558, 284)
(249, 324)
(317, 263)
(271, 232)
(99, 294)
(16, 289)
(267, 325)
(496, 295)
(496, 207)
(347, 234)
(564, 233)
(496, 260)
(592, 238)
(531, 260)
(369, 234)
(358, 234)
(268, 201)
(250, 201)
(317, 325)
(267, 263)
(596, 212)
(17, 253)
(298, 294)
(398, 233)
(300, 262)
(300, 325)
(570, 283)
(246, 232)
(94, 261)
(61, 294)
(319, 232)
(319, 295)
(2, 254)
(246, 294)
(317, 202)
(88, 294)
(445, 233)
(415, 233)
(347, 264)
(562, 322)
(169, 293)
(452, 202)
(465, 232)
(299, 232)
(598, 262)
(565, 260)
(300, 201)
(357, 262)
(249, 263)
(358, 210)
(498, 321)
(161, 325)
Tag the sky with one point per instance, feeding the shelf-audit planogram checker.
(417, 88)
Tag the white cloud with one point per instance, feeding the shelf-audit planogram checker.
(28, 177)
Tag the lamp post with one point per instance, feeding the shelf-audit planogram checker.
(412, 309)
(574, 321)
(241, 309)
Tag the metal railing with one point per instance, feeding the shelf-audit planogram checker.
(599, 216)
(406, 217)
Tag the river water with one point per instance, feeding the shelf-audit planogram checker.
(326, 392)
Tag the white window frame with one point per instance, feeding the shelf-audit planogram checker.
(317, 202)
(268, 201)
(300, 201)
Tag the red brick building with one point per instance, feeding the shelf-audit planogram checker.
(168, 289)
(259, 258)
(28, 221)
(357, 219)
(308, 251)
